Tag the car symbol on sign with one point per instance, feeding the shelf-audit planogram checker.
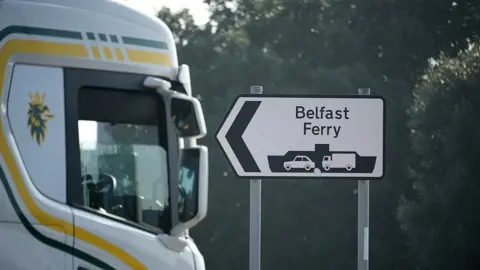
(299, 162)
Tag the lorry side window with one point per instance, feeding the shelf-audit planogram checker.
(123, 155)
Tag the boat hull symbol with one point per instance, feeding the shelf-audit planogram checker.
(324, 159)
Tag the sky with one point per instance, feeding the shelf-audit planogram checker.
(197, 8)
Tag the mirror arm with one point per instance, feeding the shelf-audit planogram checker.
(163, 87)
(173, 242)
(157, 83)
(179, 229)
(173, 165)
(184, 78)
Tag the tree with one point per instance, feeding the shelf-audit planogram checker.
(442, 222)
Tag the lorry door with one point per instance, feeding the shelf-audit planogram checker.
(118, 183)
(38, 229)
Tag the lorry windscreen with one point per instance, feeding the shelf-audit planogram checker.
(124, 155)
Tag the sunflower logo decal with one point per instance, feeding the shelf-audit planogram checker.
(38, 116)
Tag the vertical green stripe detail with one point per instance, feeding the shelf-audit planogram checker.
(102, 37)
(90, 36)
(114, 38)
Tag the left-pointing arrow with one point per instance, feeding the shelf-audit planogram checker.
(235, 133)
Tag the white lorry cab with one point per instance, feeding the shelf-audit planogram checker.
(99, 166)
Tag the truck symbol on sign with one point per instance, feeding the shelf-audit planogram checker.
(339, 160)
(299, 162)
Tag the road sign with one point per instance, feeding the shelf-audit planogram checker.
(305, 136)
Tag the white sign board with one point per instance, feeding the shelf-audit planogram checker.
(300, 136)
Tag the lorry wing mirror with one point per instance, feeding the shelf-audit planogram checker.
(193, 188)
(185, 111)
(187, 116)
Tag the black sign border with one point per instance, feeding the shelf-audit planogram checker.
(266, 96)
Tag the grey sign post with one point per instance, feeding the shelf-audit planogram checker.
(255, 213)
(285, 136)
(363, 193)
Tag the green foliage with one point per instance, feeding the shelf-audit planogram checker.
(443, 220)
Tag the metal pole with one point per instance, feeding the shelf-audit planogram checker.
(363, 212)
(255, 212)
